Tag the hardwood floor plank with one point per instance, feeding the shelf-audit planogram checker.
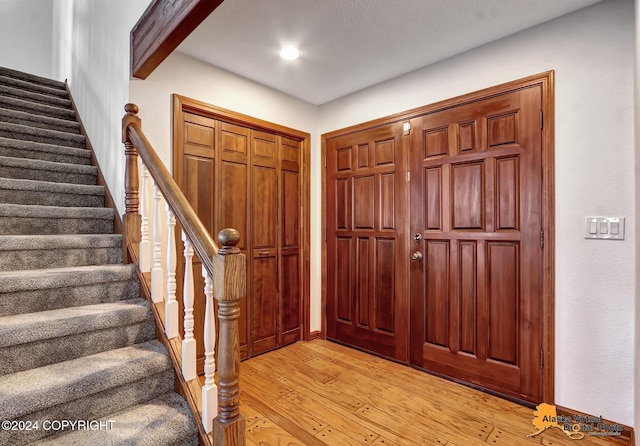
(316, 407)
(320, 393)
(278, 425)
(441, 392)
(388, 402)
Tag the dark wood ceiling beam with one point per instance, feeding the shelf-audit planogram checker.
(162, 27)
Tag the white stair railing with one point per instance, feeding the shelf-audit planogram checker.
(209, 390)
(145, 247)
(171, 306)
(188, 342)
(157, 288)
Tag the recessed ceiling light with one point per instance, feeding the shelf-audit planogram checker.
(289, 52)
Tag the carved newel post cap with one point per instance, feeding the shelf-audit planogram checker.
(229, 238)
(131, 109)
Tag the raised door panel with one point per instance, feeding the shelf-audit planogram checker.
(264, 204)
(290, 314)
(264, 304)
(264, 149)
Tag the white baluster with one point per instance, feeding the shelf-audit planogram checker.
(171, 306)
(145, 247)
(188, 342)
(157, 287)
(209, 390)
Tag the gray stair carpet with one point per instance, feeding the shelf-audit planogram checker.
(77, 341)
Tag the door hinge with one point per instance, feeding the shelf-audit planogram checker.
(541, 358)
(406, 128)
(541, 119)
(325, 160)
(325, 234)
(542, 238)
(408, 176)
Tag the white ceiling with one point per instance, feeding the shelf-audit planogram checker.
(348, 45)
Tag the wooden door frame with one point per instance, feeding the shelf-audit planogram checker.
(546, 81)
(183, 103)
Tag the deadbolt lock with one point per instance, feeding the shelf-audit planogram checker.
(417, 237)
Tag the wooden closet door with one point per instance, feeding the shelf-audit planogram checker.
(476, 207)
(248, 176)
(367, 261)
(290, 264)
(232, 209)
(264, 298)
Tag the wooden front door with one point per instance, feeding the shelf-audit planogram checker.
(476, 227)
(367, 258)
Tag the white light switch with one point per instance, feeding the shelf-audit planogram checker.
(615, 228)
(604, 228)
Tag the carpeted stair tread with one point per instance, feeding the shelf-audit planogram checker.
(27, 252)
(37, 108)
(33, 390)
(46, 193)
(14, 281)
(17, 148)
(50, 289)
(29, 169)
(19, 219)
(8, 72)
(19, 329)
(70, 333)
(165, 420)
(60, 92)
(26, 242)
(39, 121)
(32, 96)
(47, 136)
(95, 406)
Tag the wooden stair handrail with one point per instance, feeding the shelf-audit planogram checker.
(201, 240)
(226, 267)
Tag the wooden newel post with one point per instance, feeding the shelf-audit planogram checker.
(131, 220)
(229, 278)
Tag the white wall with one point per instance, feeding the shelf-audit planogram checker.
(637, 189)
(190, 77)
(94, 56)
(62, 33)
(25, 36)
(591, 52)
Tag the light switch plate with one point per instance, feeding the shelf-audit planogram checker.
(604, 228)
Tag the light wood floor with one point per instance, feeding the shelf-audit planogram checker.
(321, 393)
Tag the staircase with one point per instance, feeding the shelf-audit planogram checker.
(76, 340)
